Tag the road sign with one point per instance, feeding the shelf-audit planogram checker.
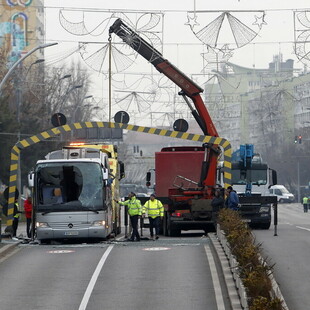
(58, 119)
(121, 117)
(180, 125)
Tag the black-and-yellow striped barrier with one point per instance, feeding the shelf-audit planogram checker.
(69, 127)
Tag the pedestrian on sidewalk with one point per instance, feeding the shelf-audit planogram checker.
(155, 211)
(218, 201)
(28, 215)
(232, 200)
(305, 202)
(135, 212)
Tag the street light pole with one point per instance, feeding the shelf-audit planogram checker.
(7, 75)
(38, 61)
(19, 92)
(68, 93)
(73, 119)
(298, 182)
(21, 60)
(79, 106)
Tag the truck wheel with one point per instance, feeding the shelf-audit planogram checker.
(165, 228)
(265, 225)
(119, 230)
(175, 232)
(172, 231)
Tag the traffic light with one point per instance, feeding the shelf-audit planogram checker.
(298, 139)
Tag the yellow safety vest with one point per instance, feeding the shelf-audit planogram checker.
(305, 200)
(134, 206)
(153, 208)
(17, 214)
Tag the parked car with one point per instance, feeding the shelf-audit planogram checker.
(283, 195)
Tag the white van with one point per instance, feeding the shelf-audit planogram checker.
(282, 193)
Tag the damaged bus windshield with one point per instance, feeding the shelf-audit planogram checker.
(70, 186)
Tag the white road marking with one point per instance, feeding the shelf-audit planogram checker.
(156, 249)
(304, 228)
(9, 255)
(215, 279)
(60, 251)
(94, 278)
(186, 244)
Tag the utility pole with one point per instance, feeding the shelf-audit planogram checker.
(298, 182)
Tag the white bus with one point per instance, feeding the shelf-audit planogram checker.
(72, 195)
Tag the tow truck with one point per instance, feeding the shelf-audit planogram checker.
(185, 176)
(251, 179)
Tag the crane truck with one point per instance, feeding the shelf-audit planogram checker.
(251, 179)
(72, 192)
(186, 175)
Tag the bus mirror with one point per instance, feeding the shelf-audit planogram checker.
(121, 170)
(105, 173)
(148, 177)
(31, 179)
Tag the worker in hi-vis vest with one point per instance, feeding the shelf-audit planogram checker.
(134, 211)
(305, 202)
(155, 211)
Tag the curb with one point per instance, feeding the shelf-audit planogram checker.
(235, 288)
(229, 280)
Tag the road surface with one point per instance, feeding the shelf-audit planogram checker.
(170, 273)
(290, 252)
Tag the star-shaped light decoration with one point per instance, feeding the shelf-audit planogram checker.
(82, 48)
(227, 52)
(192, 21)
(259, 21)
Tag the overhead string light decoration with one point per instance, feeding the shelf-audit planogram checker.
(212, 33)
(214, 59)
(95, 53)
(225, 32)
(301, 36)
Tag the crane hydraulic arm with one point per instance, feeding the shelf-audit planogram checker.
(189, 88)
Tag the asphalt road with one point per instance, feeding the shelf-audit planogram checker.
(170, 273)
(290, 252)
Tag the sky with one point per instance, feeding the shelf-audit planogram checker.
(251, 33)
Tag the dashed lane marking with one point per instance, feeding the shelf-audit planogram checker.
(94, 278)
(156, 249)
(60, 251)
(304, 228)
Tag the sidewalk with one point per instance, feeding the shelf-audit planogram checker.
(21, 233)
(7, 244)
